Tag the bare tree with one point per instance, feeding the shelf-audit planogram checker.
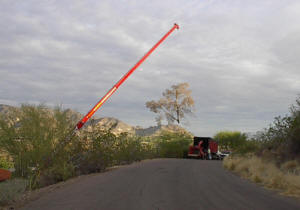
(174, 105)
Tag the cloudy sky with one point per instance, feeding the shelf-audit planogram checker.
(241, 58)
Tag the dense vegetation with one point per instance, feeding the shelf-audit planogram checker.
(31, 139)
(272, 156)
(236, 142)
(282, 138)
(230, 140)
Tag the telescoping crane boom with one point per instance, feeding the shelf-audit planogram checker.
(106, 96)
(119, 83)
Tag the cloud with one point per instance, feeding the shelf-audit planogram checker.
(239, 57)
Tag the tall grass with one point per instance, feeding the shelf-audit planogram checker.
(285, 178)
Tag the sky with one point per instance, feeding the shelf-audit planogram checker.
(240, 57)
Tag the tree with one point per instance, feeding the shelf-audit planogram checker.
(174, 105)
(231, 140)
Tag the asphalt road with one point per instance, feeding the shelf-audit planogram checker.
(164, 184)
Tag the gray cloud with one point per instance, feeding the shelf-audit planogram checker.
(241, 58)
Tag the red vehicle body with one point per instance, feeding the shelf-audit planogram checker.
(204, 148)
(4, 175)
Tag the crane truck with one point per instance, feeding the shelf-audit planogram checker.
(204, 148)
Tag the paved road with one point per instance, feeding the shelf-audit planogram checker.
(164, 184)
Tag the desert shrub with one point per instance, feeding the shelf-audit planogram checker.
(124, 148)
(249, 146)
(107, 149)
(281, 140)
(31, 138)
(293, 142)
(266, 172)
(11, 190)
(34, 139)
(231, 140)
(91, 163)
(128, 149)
(149, 150)
(294, 135)
(173, 144)
(96, 153)
(5, 163)
(283, 135)
(277, 155)
(56, 173)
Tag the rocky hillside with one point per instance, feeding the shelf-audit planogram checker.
(107, 123)
(7, 110)
(156, 130)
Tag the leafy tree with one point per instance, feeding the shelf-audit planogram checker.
(174, 105)
(283, 135)
(231, 140)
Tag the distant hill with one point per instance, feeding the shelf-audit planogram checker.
(156, 130)
(116, 126)
(6, 109)
(109, 123)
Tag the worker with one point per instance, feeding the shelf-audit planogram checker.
(201, 153)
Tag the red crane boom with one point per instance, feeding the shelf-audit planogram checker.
(119, 83)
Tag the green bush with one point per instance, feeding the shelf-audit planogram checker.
(283, 135)
(11, 190)
(129, 149)
(56, 173)
(281, 140)
(294, 132)
(106, 149)
(230, 140)
(33, 136)
(34, 139)
(173, 145)
(96, 151)
(249, 146)
(30, 138)
(5, 164)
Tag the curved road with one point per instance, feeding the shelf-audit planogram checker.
(168, 184)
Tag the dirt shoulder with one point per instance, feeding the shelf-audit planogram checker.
(285, 178)
(31, 196)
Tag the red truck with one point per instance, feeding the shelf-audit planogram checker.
(204, 148)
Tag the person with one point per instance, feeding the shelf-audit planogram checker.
(201, 153)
